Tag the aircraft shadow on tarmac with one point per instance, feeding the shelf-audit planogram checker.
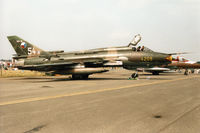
(36, 79)
(162, 74)
(154, 78)
(47, 79)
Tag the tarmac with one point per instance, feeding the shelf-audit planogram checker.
(105, 103)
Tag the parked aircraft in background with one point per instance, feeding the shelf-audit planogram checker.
(177, 63)
(182, 63)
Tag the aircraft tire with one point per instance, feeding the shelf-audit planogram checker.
(79, 76)
(155, 73)
(186, 72)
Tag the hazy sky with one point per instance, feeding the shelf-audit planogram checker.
(70, 25)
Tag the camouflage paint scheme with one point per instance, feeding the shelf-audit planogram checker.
(83, 63)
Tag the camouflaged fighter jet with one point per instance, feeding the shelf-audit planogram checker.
(83, 63)
(177, 63)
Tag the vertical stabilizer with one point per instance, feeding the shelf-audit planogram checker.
(24, 48)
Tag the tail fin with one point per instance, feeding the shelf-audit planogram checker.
(24, 48)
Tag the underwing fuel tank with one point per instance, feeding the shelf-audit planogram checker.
(85, 71)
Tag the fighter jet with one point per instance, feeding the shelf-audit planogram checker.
(81, 64)
(182, 63)
(177, 63)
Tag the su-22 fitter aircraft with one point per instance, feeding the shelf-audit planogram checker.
(81, 64)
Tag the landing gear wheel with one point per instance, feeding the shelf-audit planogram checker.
(155, 73)
(192, 71)
(186, 72)
(86, 76)
(134, 75)
(79, 76)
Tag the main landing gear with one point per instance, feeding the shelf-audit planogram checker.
(186, 72)
(155, 73)
(80, 76)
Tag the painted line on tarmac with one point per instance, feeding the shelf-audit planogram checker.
(88, 92)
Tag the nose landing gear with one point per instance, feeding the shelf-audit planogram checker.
(134, 76)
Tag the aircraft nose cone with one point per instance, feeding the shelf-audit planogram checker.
(169, 58)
